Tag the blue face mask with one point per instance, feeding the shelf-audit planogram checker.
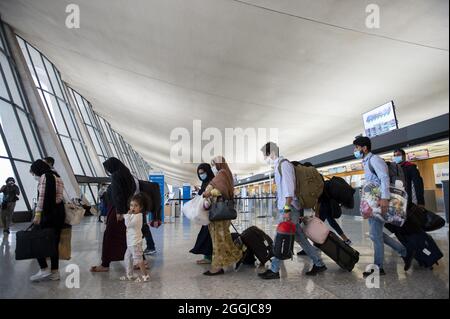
(358, 154)
(203, 176)
(398, 159)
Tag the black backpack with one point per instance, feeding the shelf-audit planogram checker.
(340, 191)
(153, 194)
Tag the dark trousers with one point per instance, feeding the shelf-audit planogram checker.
(325, 213)
(148, 236)
(54, 260)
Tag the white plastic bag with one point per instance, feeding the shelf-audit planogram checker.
(194, 211)
(369, 207)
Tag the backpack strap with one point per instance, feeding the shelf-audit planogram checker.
(279, 165)
(372, 170)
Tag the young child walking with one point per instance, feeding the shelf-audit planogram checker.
(134, 253)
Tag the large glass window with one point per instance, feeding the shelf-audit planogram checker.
(52, 91)
(92, 125)
(19, 142)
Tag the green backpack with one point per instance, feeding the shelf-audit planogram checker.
(308, 185)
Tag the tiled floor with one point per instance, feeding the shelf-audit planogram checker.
(174, 273)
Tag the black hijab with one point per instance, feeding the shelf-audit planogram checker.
(40, 168)
(210, 175)
(122, 184)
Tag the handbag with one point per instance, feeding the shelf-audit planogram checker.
(65, 245)
(222, 210)
(35, 242)
(74, 213)
(315, 229)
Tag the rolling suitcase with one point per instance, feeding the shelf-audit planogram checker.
(425, 249)
(259, 242)
(335, 248)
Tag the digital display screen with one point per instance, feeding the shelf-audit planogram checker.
(380, 120)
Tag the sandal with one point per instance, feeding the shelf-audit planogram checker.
(99, 269)
(203, 262)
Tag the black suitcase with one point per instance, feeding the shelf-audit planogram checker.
(249, 256)
(259, 242)
(335, 248)
(35, 242)
(426, 251)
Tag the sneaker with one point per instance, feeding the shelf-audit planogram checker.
(54, 276)
(368, 273)
(301, 253)
(269, 274)
(40, 275)
(315, 270)
(144, 278)
(348, 242)
(408, 260)
(149, 251)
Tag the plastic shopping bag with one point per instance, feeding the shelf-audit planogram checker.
(369, 206)
(195, 211)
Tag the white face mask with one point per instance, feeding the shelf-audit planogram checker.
(215, 171)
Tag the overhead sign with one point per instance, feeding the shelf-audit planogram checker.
(380, 120)
(418, 155)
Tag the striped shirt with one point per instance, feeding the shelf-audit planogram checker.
(41, 192)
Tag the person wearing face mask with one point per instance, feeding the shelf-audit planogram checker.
(225, 252)
(414, 182)
(379, 176)
(203, 245)
(10, 196)
(50, 214)
(289, 209)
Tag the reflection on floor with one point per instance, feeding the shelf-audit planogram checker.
(174, 273)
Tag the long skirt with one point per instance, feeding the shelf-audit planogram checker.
(225, 252)
(114, 239)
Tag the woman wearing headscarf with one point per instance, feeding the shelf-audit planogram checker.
(225, 252)
(49, 213)
(120, 190)
(203, 245)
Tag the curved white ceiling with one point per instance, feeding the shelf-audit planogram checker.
(308, 68)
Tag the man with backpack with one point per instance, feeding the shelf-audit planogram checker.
(376, 170)
(285, 179)
(414, 182)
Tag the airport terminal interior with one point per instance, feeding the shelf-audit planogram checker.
(105, 97)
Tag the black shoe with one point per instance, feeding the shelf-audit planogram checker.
(263, 273)
(269, 274)
(315, 270)
(301, 253)
(208, 273)
(408, 260)
(368, 273)
(6, 231)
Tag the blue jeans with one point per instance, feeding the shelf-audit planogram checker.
(300, 238)
(379, 238)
